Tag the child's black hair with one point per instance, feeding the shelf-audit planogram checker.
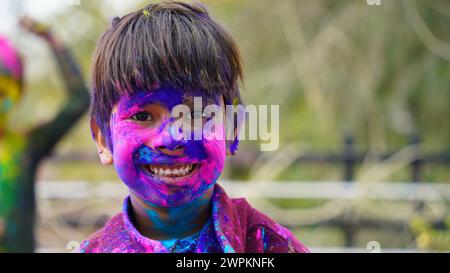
(169, 43)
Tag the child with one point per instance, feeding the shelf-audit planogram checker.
(146, 64)
(21, 153)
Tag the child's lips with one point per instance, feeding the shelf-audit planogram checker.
(171, 173)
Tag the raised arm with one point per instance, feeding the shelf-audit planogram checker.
(44, 137)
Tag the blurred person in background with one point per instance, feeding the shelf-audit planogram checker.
(21, 152)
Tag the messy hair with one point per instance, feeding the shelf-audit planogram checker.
(170, 43)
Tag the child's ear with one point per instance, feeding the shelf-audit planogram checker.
(232, 146)
(102, 149)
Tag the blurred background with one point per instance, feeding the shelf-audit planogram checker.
(364, 94)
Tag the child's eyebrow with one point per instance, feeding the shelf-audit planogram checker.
(168, 99)
(142, 99)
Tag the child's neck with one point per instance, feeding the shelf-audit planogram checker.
(162, 223)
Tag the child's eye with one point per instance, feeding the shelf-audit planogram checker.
(141, 116)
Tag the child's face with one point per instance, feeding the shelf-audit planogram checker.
(156, 167)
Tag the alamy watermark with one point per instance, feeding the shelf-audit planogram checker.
(229, 122)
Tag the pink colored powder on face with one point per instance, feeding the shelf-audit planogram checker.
(10, 59)
(135, 145)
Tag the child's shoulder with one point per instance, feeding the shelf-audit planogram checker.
(253, 218)
(104, 238)
(263, 233)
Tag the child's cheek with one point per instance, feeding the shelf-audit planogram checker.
(215, 147)
(127, 139)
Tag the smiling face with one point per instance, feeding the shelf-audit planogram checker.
(156, 167)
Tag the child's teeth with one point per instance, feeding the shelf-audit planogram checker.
(170, 171)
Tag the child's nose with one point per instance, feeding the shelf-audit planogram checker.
(171, 150)
(165, 143)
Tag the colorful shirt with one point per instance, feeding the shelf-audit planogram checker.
(234, 227)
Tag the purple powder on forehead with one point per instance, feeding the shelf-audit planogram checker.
(164, 95)
(169, 95)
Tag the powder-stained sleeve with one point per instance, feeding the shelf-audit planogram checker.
(262, 239)
(112, 238)
(264, 235)
(94, 243)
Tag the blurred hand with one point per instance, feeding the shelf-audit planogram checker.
(35, 27)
